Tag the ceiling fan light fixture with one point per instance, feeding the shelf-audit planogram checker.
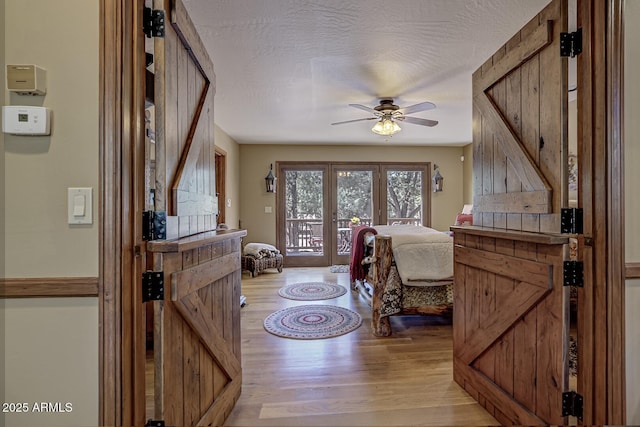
(386, 127)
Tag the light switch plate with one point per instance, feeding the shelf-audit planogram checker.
(79, 205)
(267, 209)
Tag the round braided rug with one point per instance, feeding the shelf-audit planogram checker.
(312, 291)
(310, 322)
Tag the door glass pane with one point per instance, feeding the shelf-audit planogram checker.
(304, 207)
(355, 205)
(404, 197)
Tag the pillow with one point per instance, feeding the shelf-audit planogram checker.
(464, 220)
(258, 249)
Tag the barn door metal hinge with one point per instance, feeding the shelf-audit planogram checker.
(152, 286)
(571, 43)
(153, 22)
(154, 423)
(571, 404)
(571, 220)
(154, 225)
(573, 273)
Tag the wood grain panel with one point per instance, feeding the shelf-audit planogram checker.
(515, 306)
(488, 147)
(191, 378)
(530, 94)
(184, 96)
(525, 202)
(515, 56)
(553, 327)
(486, 308)
(513, 356)
(460, 276)
(525, 344)
(192, 279)
(522, 270)
(199, 329)
(517, 236)
(600, 129)
(513, 114)
(554, 117)
(505, 353)
(532, 179)
(499, 95)
(213, 238)
(509, 85)
(518, 415)
(477, 159)
(206, 378)
(68, 287)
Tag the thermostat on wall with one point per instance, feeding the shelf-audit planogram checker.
(26, 120)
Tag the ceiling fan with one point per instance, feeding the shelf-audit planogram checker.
(388, 115)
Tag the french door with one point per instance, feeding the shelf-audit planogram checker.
(320, 203)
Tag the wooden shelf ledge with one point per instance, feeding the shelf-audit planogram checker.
(522, 236)
(192, 242)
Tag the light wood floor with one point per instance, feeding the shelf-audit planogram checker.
(354, 379)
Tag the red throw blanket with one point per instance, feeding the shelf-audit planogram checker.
(356, 269)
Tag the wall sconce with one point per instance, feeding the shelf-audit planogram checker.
(437, 179)
(270, 180)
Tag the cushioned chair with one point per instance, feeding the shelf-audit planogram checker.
(257, 257)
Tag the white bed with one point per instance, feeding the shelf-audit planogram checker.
(407, 270)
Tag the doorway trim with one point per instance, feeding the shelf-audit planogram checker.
(120, 133)
(600, 129)
(220, 157)
(118, 130)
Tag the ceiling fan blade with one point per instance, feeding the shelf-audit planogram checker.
(418, 121)
(423, 106)
(356, 120)
(365, 108)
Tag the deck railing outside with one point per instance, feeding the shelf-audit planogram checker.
(304, 236)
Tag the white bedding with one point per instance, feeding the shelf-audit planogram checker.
(422, 255)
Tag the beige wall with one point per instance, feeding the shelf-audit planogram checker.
(62, 37)
(467, 168)
(632, 203)
(51, 356)
(51, 345)
(2, 238)
(255, 160)
(231, 147)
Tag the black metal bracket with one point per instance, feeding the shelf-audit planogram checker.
(572, 404)
(152, 286)
(571, 43)
(153, 22)
(573, 273)
(154, 225)
(154, 423)
(571, 220)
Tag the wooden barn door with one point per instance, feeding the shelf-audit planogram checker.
(196, 337)
(511, 316)
(185, 152)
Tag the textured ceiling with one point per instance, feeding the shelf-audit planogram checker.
(286, 69)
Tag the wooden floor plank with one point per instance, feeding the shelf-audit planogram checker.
(354, 379)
